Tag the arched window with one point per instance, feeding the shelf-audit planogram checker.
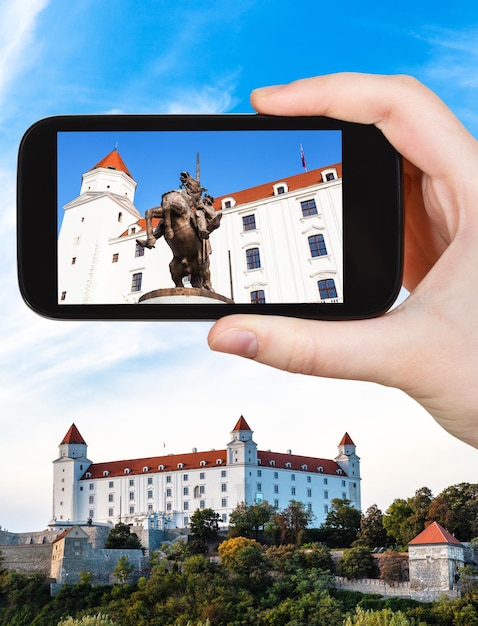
(317, 245)
(253, 258)
(258, 297)
(327, 288)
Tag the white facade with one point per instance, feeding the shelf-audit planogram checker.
(164, 491)
(278, 242)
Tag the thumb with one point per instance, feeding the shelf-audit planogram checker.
(357, 350)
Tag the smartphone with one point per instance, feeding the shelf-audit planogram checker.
(199, 216)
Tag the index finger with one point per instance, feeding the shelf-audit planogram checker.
(415, 121)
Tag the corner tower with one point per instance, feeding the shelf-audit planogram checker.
(68, 468)
(349, 462)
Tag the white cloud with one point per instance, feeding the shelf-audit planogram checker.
(17, 22)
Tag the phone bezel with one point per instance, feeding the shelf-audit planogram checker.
(372, 218)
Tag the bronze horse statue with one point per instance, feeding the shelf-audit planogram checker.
(178, 224)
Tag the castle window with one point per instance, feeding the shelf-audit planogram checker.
(280, 188)
(248, 222)
(150, 480)
(253, 259)
(131, 510)
(223, 487)
(202, 504)
(63, 297)
(161, 467)
(150, 494)
(120, 215)
(139, 250)
(115, 257)
(223, 473)
(91, 500)
(339, 471)
(180, 465)
(223, 502)
(131, 482)
(185, 491)
(91, 513)
(88, 474)
(218, 461)
(110, 512)
(292, 491)
(106, 473)
(317, 246)
(309, 493)
(168, 479)
(327, 288)
(272, 462)
(169, 493)
(136, 281)
(288, 465)
(92, 486)
(258, 297)
(131, 495)
(330, 174)
(186, 506)
(320, 469)
(304, 466)
(326, 495)
(228, 203)
(146, 468)
(111, 497)
(276, 488)
(308, 208)
(202, 463)
(202, 476)
(73, 260)
(127, 470)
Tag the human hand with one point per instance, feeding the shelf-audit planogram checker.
(427, 346)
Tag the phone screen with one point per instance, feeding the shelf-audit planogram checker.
(263, 207)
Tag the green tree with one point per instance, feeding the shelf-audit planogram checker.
(242, 556)
(342, 524)
(204, 524)
(372, 532)
(121, 538)
(292, 522)
(420, 504)
(356, 562)
(250, 520)
(456, 509)
(396, 522)
(123, 569)
(385, 617)
(88, 620)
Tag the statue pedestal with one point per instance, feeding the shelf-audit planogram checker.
(183, 295)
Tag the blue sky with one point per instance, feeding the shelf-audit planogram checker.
(129, 387)
(229, 161)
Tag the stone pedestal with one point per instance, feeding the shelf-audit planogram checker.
(183, 295)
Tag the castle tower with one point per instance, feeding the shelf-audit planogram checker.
(349, 462)
(242, 449)
(68, 468)
(103, 210)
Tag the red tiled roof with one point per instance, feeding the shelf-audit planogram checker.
(241, 425)
(73, 436)
(298, 463)
(298, 181)
(170, 462)
(434, 534)
(113, 161)
(142, 225)
(196, 460)
(346, 440)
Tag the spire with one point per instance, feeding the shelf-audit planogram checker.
(241, 425)
(113, 161)
(73, 436)
(346, 440)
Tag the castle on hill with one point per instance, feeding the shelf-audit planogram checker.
(162, 492)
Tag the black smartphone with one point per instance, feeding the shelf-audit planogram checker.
(199, 216)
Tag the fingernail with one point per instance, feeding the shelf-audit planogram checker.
(236, 341)
(264, 91)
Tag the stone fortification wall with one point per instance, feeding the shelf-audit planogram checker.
(374, 585)
(27, 559)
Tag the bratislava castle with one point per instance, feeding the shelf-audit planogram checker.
(278, 242)
(164, 491)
